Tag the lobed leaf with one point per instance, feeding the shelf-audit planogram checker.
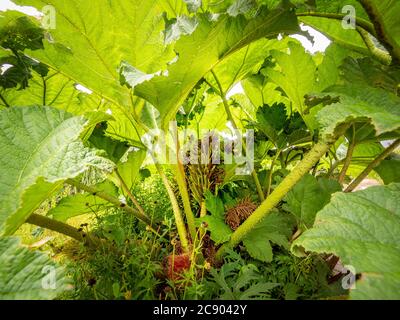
(42, 148)
(309, 196)
(275, 228)
(360, 103)
(363, 229)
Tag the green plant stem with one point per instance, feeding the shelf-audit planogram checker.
(63, 228)
(368, 26)
(181, 180)
(258, 185)
(4, 101)
(381, 34)
(277, 195)
(349, 155)
(372, 165)
(183, 190)
(180, 224)
(379, 54)
(111, 199)
(44, 90)
(130, 195)
(271, 173)
(232, 120)
(203, 209)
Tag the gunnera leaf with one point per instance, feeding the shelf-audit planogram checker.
(41, 148)
(28, 275)
(363, 229)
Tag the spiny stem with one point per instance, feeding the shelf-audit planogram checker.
(180, 178)
(203, 209)
(232, 120)
(258, 185)
(379, 54)
(180, 224)
(372, 165)
(111, 199)
(383, 36)
(182, 185)
(63, 228)
(277, 195)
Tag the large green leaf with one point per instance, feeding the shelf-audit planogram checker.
(363, 229)
(212, 42)
(58, 87)
(41, 148)
(363, 104)
(297, 74)
(28, 275)
(262, 88)
(309, 196)
(371, 73)
(91, 49)
(333, 29)
(271, 120)
(246, 61)
(129, 166)
(53, 90)
(261, 91)
(275, 228)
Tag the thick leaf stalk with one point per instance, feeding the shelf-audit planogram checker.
(183, 189)
(65, 229)
(383, 34)
(180, 179)
(180, 224)
(277, 195)
(111, 199)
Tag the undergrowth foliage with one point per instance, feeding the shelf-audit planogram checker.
(99, 113)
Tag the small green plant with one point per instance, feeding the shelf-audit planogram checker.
(128, 269)
(237, 280)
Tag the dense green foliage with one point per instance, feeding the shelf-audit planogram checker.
(81, 99)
